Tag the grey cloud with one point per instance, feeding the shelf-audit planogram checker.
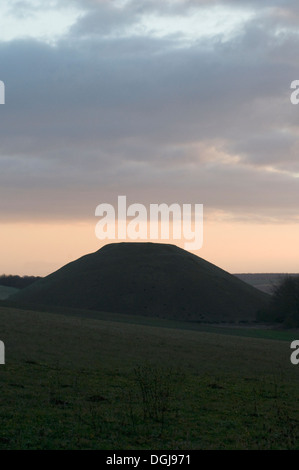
(102, 17)
(89, 119)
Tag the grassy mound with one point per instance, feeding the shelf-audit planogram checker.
(148, 279)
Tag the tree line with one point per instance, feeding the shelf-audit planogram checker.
(19, 282)
(284, 304)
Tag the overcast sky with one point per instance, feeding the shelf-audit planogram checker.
(182, 101)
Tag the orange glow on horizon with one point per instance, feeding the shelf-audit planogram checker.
(237, 247)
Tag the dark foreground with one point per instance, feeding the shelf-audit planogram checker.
(76, 383)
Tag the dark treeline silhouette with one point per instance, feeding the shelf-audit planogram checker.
(284, 305)
(17, 281)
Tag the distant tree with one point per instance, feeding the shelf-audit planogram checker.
(17, 281)
(284, 305)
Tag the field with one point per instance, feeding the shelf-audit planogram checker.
(263, 281)
(120, 382)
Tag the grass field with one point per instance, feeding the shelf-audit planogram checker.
(119, 382)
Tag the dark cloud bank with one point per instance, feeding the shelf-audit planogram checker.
(106, 112)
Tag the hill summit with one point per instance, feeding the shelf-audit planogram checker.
(150, 279)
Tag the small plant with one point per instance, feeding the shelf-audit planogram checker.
(157, 386)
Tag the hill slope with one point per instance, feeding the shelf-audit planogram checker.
(147, 279)
(264, 281)
(6, 292)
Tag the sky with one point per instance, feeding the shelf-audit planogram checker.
(181, 101)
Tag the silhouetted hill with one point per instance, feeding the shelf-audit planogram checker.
(148, 279)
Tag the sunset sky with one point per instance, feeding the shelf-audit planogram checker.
(180, 101)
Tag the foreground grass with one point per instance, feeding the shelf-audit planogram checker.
(75, 383)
